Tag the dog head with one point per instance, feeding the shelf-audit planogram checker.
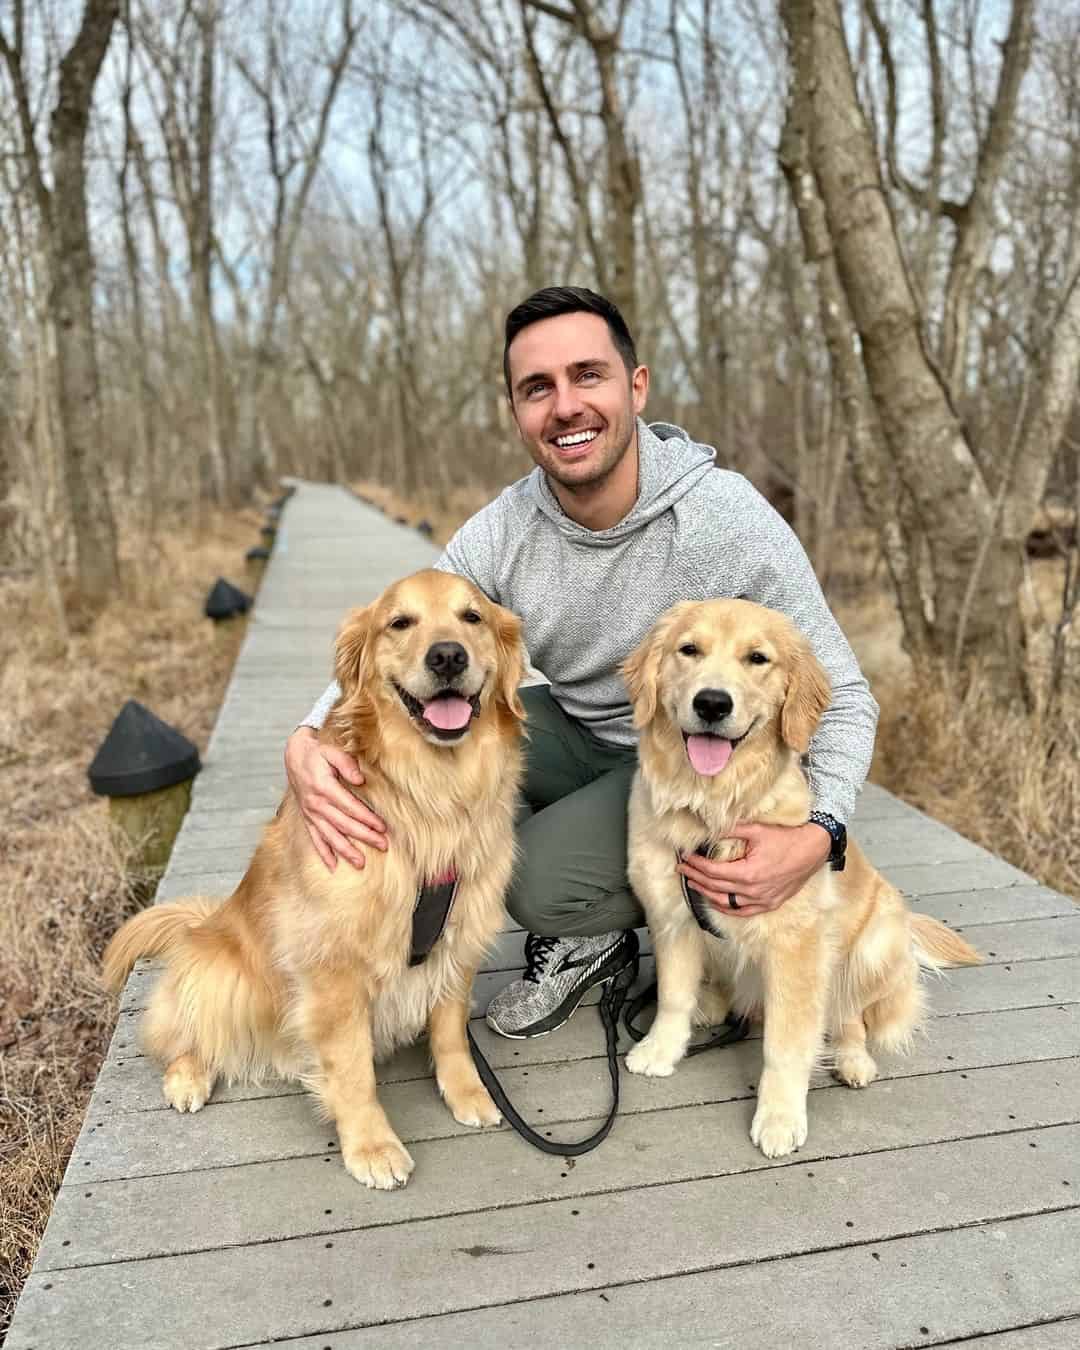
(433, 653)
(721, 673)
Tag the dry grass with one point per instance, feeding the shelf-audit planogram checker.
(64, 881)
(1005, 777)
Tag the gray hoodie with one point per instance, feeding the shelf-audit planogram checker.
(588, 597)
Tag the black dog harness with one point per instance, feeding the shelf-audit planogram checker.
(434, 901)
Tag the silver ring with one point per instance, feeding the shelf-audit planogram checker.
(734, 904)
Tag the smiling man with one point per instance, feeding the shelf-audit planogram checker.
(618, 521)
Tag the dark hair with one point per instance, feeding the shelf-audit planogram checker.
(555, 300)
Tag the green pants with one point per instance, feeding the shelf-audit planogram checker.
(570, 880)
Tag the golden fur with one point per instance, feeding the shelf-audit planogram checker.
(841, 957)
(304, 971)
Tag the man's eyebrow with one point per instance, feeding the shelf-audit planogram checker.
(591, 363)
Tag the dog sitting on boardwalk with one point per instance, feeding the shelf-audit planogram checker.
(727, 695)
(315, 974)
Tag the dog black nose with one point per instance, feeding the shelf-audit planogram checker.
(712, 705)
(446, 659)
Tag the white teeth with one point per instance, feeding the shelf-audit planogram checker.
(578, 438)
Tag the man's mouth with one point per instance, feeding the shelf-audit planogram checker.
(447, 715)
(575, 442)
(709, 754)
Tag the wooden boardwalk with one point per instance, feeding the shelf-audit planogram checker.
(941, 1205)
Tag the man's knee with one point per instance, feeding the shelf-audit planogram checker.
(549, 900)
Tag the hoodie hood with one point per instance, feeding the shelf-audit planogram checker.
(670, 464)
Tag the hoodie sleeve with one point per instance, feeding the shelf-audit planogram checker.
(756, 555)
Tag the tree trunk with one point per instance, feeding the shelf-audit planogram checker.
(71, 306)
(973, 610)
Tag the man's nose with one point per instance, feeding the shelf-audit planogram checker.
(568, 404)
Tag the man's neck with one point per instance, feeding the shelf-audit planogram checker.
(599, 506)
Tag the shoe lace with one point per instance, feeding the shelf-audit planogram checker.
(537, 951)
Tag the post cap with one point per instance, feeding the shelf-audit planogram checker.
(225, 601)
(140, 754)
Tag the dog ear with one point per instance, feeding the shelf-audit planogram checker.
(511, 659)
(641, 669)
(352, 651)
(808, 696)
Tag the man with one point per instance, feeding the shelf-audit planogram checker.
(618, 521)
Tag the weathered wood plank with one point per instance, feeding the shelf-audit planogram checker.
(919, 1291)
(562, 1246)
(281, 1126)
(165, 1214)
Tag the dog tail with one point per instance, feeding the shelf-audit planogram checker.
(156, 931)
(937, 946)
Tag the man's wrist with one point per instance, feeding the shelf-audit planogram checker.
(837, 836)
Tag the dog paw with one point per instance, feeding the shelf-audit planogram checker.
(186, 1088)
(473, 1107)
(382, 1167)
(651, 1058)
(778, 1132)
(855, 1068)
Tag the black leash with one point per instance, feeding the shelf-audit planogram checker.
(611, 1005)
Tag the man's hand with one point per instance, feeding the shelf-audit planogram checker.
(333, 816)
(779, 860)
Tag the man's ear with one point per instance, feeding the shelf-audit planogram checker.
(352, 651)
(511, 659)
(808, 696)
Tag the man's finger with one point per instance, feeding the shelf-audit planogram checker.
(364, 829)
(344, 764)
(341, 845)
(321, 847)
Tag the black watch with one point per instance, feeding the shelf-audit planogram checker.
(837, 833)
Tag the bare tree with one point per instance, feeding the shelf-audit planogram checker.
(969, 595)
(62, 219)
(614, 252)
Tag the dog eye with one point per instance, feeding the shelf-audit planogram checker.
(688, 649)
(471, 616)
(402, 621)
(758, 659)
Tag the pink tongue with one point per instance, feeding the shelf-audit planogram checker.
(448, 714)
(708, 754)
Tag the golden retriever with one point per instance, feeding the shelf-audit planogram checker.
(727, 695)
(306, 971)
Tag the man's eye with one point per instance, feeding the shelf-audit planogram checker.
(758, 659)
(535, 389)
(590, 375)
(402, 621)
(689, 649)
(471, 616)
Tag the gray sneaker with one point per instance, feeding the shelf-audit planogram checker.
(558, 974)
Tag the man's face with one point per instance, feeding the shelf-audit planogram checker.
(573, 401)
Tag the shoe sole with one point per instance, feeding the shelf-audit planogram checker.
(565, 1010)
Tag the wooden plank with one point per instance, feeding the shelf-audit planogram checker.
(281, 1126)
(930, 1290)
(441, 1265)
(126, 1083)
(165, 1214)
